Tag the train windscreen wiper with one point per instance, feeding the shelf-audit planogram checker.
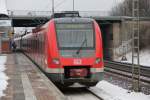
(78, 51)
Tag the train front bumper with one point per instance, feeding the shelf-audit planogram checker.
(92, 80)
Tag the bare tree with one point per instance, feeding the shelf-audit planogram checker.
(125, 9)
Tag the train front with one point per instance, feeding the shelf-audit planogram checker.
(76, 54)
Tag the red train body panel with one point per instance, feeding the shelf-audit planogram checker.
(69, 50)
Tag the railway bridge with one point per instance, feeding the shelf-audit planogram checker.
(116, 30)
(110, 25)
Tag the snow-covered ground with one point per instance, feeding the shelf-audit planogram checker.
(112, 92)
(109, 91)
(3, 77)
(144, 58)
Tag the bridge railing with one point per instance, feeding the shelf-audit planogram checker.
(26, 13)
(94, 13)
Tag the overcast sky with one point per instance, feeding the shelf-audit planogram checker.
(61, 5)
(3, 7)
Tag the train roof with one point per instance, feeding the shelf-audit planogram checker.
(66, 14)
(73, 20)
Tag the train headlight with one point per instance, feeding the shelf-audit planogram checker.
(56, 61)
(98, 60)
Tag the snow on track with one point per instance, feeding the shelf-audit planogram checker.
(82, 96)
(107, 91)
(78, 93)
(3, 77)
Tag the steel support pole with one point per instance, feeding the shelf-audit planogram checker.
(135, 47)
(53, 7)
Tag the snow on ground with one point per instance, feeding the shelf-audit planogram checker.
(3, 77)
(144, 58)
(109, 91)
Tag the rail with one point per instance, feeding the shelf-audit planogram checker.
(81, 92)
(125, 69)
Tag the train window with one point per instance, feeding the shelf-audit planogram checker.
(74, 36)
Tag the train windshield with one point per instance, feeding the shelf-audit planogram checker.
(75, 36)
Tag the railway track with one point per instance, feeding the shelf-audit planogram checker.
(81, 93)
(95, 94)
(125, 69)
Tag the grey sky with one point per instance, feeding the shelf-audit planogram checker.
(45, 5)
(3, 7)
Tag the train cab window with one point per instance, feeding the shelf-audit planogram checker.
(74, 36)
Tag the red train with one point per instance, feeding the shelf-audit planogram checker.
(68, 49)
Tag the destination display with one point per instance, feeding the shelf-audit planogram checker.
(74, 26)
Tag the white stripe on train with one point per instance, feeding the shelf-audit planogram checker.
(61, 70)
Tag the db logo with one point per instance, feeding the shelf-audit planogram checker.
(77, 61)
